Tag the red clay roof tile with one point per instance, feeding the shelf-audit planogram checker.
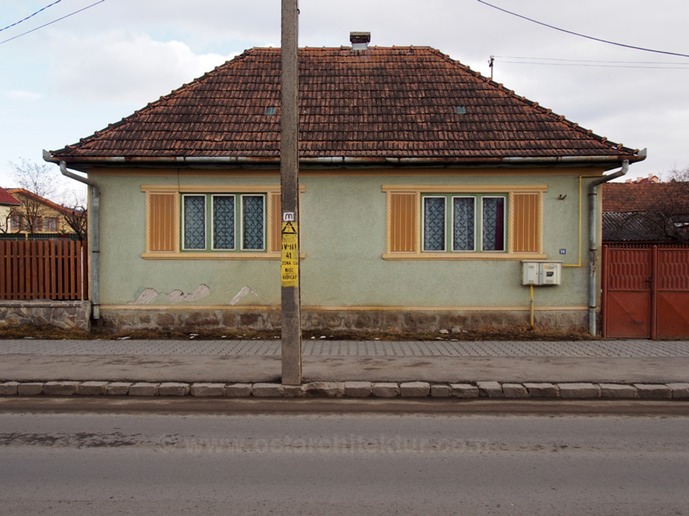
(6, 198)
(399, 102)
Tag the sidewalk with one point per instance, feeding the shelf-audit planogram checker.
(471, 363)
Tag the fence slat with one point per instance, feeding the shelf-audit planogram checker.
(53, 269)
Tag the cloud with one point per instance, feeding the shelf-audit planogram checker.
(126, 67)
(22, 95)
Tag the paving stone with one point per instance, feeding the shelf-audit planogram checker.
(292, 391)
(579, 391)
(60, 388)
(652, 391)
(30, 389)
(385, 389)
(618, 391)
(324, 389)
(680, 391)
(207, 390)
(441, 390)
(173, 389)
(415, 389)
(514, 390)
(143, 389)
(8, 388)
(358, 389)
(490, 389)
(541, 390)
(267, 390)
(464, 390)
(92, 388)
(238, 390)
(118, 388)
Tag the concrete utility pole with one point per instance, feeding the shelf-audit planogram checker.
(289, 181)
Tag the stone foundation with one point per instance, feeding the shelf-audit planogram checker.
(66, 315)
(383, 321)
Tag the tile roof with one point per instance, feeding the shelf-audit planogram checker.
(6, 198)
(21, 192)
(646, 212)
(641, 197)
(382, 103)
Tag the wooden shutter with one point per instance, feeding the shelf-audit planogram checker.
(402, 222)
(162, 222)
(274, 222)
(526, 222)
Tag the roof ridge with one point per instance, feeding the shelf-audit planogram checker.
(408, 102)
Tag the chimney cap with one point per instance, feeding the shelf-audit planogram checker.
(359, 40)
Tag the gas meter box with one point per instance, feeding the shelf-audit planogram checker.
(541, 273)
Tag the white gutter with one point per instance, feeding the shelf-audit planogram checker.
(593, 243)
(353, 160)
(94, 233)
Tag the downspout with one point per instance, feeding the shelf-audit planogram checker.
(94, 237)
(593, 242)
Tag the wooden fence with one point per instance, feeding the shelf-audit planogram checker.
(43, 269)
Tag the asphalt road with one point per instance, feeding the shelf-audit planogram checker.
(75, 462)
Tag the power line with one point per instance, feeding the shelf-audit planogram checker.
(549, 61)
(51, 22)
(683, 63)
(634, 47)
(30, 16)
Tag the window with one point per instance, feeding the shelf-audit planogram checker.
(459, 223)
(199, 222)
(224, 222)
(51, 224)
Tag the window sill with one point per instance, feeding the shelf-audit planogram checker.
(209, 256)
(464, 256)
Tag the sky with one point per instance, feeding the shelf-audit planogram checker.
(106, 59)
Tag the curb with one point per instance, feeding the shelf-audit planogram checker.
(358, 390)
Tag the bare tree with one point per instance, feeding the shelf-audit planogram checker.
(77, 218)
(650, 210)
(678, 175)
(37, 179)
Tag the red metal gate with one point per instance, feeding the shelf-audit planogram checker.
(646, 292)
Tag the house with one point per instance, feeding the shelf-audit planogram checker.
(432, 198)
(38, 216)
(7, 204)
(646, 211)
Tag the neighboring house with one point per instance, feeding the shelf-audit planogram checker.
(37, 215)
(424, 186)
(7, 204)
(646, 211)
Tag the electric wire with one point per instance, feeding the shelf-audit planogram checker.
(52, 22)
(609, 42)
(552, 61)
(30, 16)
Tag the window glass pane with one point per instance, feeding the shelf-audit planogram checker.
(194, 222)
(463, 223)
(493, 223)
(223, 222)
(253, 223)
(434, 224)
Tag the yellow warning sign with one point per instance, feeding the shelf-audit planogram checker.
(289, 271)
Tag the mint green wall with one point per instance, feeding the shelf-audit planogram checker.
(343, 238)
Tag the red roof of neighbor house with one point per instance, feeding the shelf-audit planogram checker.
(377, 104)
(21, 192)
(672, 197)
(6, 198)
